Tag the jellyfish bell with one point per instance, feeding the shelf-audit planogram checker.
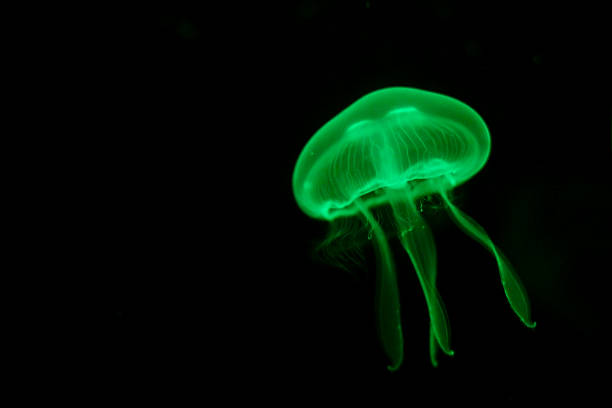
(396, 135)
(392, 147)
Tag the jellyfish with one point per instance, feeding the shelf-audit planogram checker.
(393, 147)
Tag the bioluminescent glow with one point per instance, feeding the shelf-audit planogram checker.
(393, 147)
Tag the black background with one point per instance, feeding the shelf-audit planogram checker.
(209, 280)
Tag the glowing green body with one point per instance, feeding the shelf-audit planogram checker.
(394, 146)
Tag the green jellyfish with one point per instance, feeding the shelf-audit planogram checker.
(393, 147)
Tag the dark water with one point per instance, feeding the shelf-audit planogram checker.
(206, 261)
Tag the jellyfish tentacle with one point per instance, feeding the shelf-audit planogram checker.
(417, 240)
(433, 347)
(387, 296)
(513, 288)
